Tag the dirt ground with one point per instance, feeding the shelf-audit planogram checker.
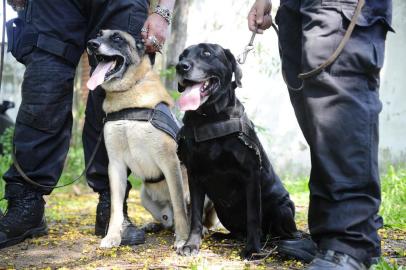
(72, 245)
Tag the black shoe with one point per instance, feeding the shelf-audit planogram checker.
(130, 235)
(24, 217)
(300, 248)
(332, 260)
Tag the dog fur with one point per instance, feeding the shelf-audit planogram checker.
(149, 153)
(233, 170)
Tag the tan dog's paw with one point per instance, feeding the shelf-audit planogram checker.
(110, 241)
(178, 245)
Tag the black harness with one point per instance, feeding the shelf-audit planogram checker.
(160, 117)
(241, 126)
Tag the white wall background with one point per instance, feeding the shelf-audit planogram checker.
(393, 91)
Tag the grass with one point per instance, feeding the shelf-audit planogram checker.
(393, 185)
(385, 265)
(5, 161)
(393, 206)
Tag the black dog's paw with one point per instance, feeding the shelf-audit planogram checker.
(250, 253)
(152, 227)
(188, 250)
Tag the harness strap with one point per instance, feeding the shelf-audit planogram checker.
(241, 126)
(154, 180)
(218, 129)
(160, 117)
(140, 114)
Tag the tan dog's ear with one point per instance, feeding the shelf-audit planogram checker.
(235, 67)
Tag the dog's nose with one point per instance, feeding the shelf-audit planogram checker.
(93, 44)
(183, 66)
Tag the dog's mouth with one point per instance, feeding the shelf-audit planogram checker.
(108, 68)
(196, 92)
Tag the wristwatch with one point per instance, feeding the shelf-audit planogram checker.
(164, 13)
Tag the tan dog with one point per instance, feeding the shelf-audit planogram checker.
(129, 81)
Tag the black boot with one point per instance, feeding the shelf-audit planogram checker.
(332, 260)
(300, 247)
(130, 235)
(24, 217)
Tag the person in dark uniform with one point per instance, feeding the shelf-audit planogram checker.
(337, 110)
(48, 37)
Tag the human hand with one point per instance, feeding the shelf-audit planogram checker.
(154, 32)
(260, 16)
(17, 5)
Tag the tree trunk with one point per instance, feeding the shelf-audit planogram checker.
(176, 41)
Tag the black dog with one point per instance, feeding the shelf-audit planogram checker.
(224, 157)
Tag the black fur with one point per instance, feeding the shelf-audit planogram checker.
(248, 196)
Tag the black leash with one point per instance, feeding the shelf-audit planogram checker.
(306, 75)
(32, 182)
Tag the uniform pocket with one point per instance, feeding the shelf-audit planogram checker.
(20, 36)
(43, 117)
(374, 28)
(46, 93)
(363, 54)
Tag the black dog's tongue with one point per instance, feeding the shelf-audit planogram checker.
(99, 74)
(190, 98)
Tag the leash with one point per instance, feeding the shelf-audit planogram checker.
(306, 75)
(32, 182)
(340, 47)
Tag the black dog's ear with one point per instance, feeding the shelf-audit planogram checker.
(235, 66)
(140, 45)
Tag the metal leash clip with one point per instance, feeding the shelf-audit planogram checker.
(243, 56)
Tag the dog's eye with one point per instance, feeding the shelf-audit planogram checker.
(206, 53)
(116, 37)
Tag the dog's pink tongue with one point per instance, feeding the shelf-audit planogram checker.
(190, 98)
(98, 74)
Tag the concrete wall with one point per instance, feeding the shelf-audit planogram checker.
(393, 91)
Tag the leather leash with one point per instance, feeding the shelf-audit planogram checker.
(306, 75)
(32, 182)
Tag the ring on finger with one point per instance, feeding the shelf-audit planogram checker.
(155, 43)
(144, 30)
